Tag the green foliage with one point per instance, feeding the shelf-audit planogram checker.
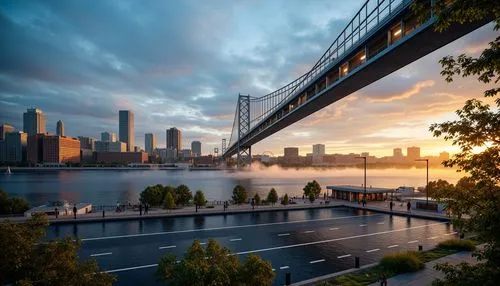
(457, 244)
(239, 194)
(272, 197)
(401, 262)
(438, 185)
(256, 199)
(152, 195)
(214, 265)
(312, 197)
(25, 260)
(12, 205)
(312, 188)
(169, 202)
(183, 195)
(285, 200)
(199, 198)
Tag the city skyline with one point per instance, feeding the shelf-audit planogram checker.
(181, 86)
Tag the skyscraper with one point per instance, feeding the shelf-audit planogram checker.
(34, 121)
(174, 139)
(412, 153)
(397, 153)
(108, 137)
(5, 128)
(149, 143)
(126, 130)
(60, 128)
(15, 146)
(196, 148)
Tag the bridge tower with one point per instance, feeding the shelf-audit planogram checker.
(244, 153)
(224, 146)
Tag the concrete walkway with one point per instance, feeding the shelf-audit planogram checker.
(397, 210)
(429, 274)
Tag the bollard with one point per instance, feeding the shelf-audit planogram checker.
(288, 278)
(462, 235)
(103, 214)
(356, 262)
(420, 247)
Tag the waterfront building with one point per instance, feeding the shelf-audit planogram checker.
(105, 146)
(35, 148)
(318, 153)
(291, 156)
(356, 194)
(60, 149)
(60, 128)
(126, 128)
(196, 148)
(412, 153)
(174, 139)
(5, 128)
(108, 137)
(15, 146)
(443, 156)
(87, 143)
(149, 143)
(186, 154)
(397, 153)
(34, 121)
(122, 157)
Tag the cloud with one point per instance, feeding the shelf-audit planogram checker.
(407, 94)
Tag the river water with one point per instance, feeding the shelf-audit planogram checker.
(107, 187)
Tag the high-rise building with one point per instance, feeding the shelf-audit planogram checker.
(34, 121)
(108, 137)
(87, 143)
(5, 128)
(397, 153)
(149, 143)
(174, 139)
(196, 148)
(57, 149)
(104, 146)
(318, 153)
(291, 152)
(126, 129)
(412, 153)
(444, 156)
(35, 148)
(60, 128)
(15, 146)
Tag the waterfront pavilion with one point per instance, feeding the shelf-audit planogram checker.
(355, 194)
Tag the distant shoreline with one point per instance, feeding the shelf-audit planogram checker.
(53, 169)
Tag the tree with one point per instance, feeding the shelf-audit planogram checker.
(256, 199)
(213, 265)
(239, 194)
(169, 202)
(28, 259)
(272, 197)
(199, 198)
(312, 197)
(152, 195)
(312, 188)
(437, 185)
(12, 205)
(285, 200)
(183, 195)
(477, 128)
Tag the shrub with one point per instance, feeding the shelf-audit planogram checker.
(457, 244)
(402, 262)
(13, 205)
(239, 194)
(272, 197)
(285, 200)
(256, 199)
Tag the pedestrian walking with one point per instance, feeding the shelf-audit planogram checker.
(146, 209)
(391, 204)
(74, 211)
(56, 211)
(383, 279)
(140, 209)
(408, 207)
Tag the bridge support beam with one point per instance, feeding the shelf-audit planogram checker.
(244, 154)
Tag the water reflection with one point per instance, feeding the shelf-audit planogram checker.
(199, 222)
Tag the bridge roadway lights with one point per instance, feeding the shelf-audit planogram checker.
(288, 278)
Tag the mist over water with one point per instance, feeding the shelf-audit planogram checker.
(108, 187)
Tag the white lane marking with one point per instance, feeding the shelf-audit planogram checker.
(283, 234)
(203, 243)
(434, 237)
(336, 239)
(274, 269)
(284, 267)
(344, 256)
(372, 250)
(301, 244)
(451, 233)
(317, 261)
(363, 225)
(413, 241)
(309, 231)
(235, 239)
(392, 246)
(380, 222)
(131, 268)
(333, 228)
(223, 227)
(167, 247)
(101, 254)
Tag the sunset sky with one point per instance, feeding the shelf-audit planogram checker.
(183, 63)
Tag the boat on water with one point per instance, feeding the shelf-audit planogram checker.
(8, 172)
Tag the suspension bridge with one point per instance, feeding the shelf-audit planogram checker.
(382, 37)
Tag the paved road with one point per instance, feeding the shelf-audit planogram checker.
(307, 243)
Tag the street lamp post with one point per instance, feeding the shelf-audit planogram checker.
(427, 181)
(364, 193)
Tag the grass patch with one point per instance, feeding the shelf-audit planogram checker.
(402, 262)
(458, 244)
